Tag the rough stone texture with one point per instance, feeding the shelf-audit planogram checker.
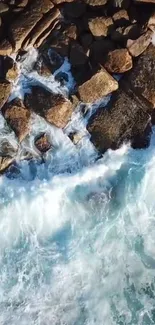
(17, 117)
(118, 61)
(54, 108)
(100, 85)
(42, 143)
(142, 76)
(151, 22)
(138, 46)
(61, 42)
(10, 68)
(5, 47)
(43, 26)
(5, 89)
(21, 27)
(125, 119)
(100, 26)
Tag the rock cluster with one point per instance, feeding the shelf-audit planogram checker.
(101, 38)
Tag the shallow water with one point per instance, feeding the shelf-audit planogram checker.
(77, 234)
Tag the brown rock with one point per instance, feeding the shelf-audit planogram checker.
(138, 46)
(151, 22)
(5, 47)
(54, 108)
(3, 7)
(142, 77)
(5, 162)
(17, 117)
(42, 27)
(5, 89)
(75, 137)
(21, 27)
(100, 85)
(121, 18)
(125, 119)
(100, 26)
(77, 55)
(96, 2)
(11, 69)
(118, 61)
(42, 143)
(23, 3)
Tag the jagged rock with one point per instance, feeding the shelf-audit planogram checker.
(138, 46)
(21, 27)
(61, 42)
(100, 85)
(3, 7)
(5, 162)
(77, 55)
(53, 107)
(125, 119)
(142, 76)
(100, 26)
(10, 68)
(42, 143)
(44, 24)
(121, 18)
(5, 89)
(118, 61)
(5, 47)
(74, 9)
(17, 117)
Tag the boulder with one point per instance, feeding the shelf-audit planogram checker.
(138, 46)
(74, 9)
(17, 117)
(53, 107)
(42, 143)
(142, 77)
(125, 119)
(61, 43)
(5, 90)
(21, 27)
(100, 26)
(99, 50)
(118, 61)
(100, 85)
(121, 18)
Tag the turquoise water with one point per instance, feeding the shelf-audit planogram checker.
(79, 247)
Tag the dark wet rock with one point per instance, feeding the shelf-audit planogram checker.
(100, 26)
(142, 76)
(118, 61)
(22, 3)
(99, 50)
(86, 40)
(5, 47)
(75, 9)
(61, 42)
(77, 55)
(5, 90)
(17, 117)
(3, 8)
(96, 2)
(100, 85)
(53, 107)
(138, 46)
(42, 142)
(125, 119)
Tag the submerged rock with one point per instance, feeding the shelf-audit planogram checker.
(53, 107)
(42, 143)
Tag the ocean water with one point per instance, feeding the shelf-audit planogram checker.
(77, 233)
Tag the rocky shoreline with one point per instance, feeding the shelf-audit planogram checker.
(104, 41)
